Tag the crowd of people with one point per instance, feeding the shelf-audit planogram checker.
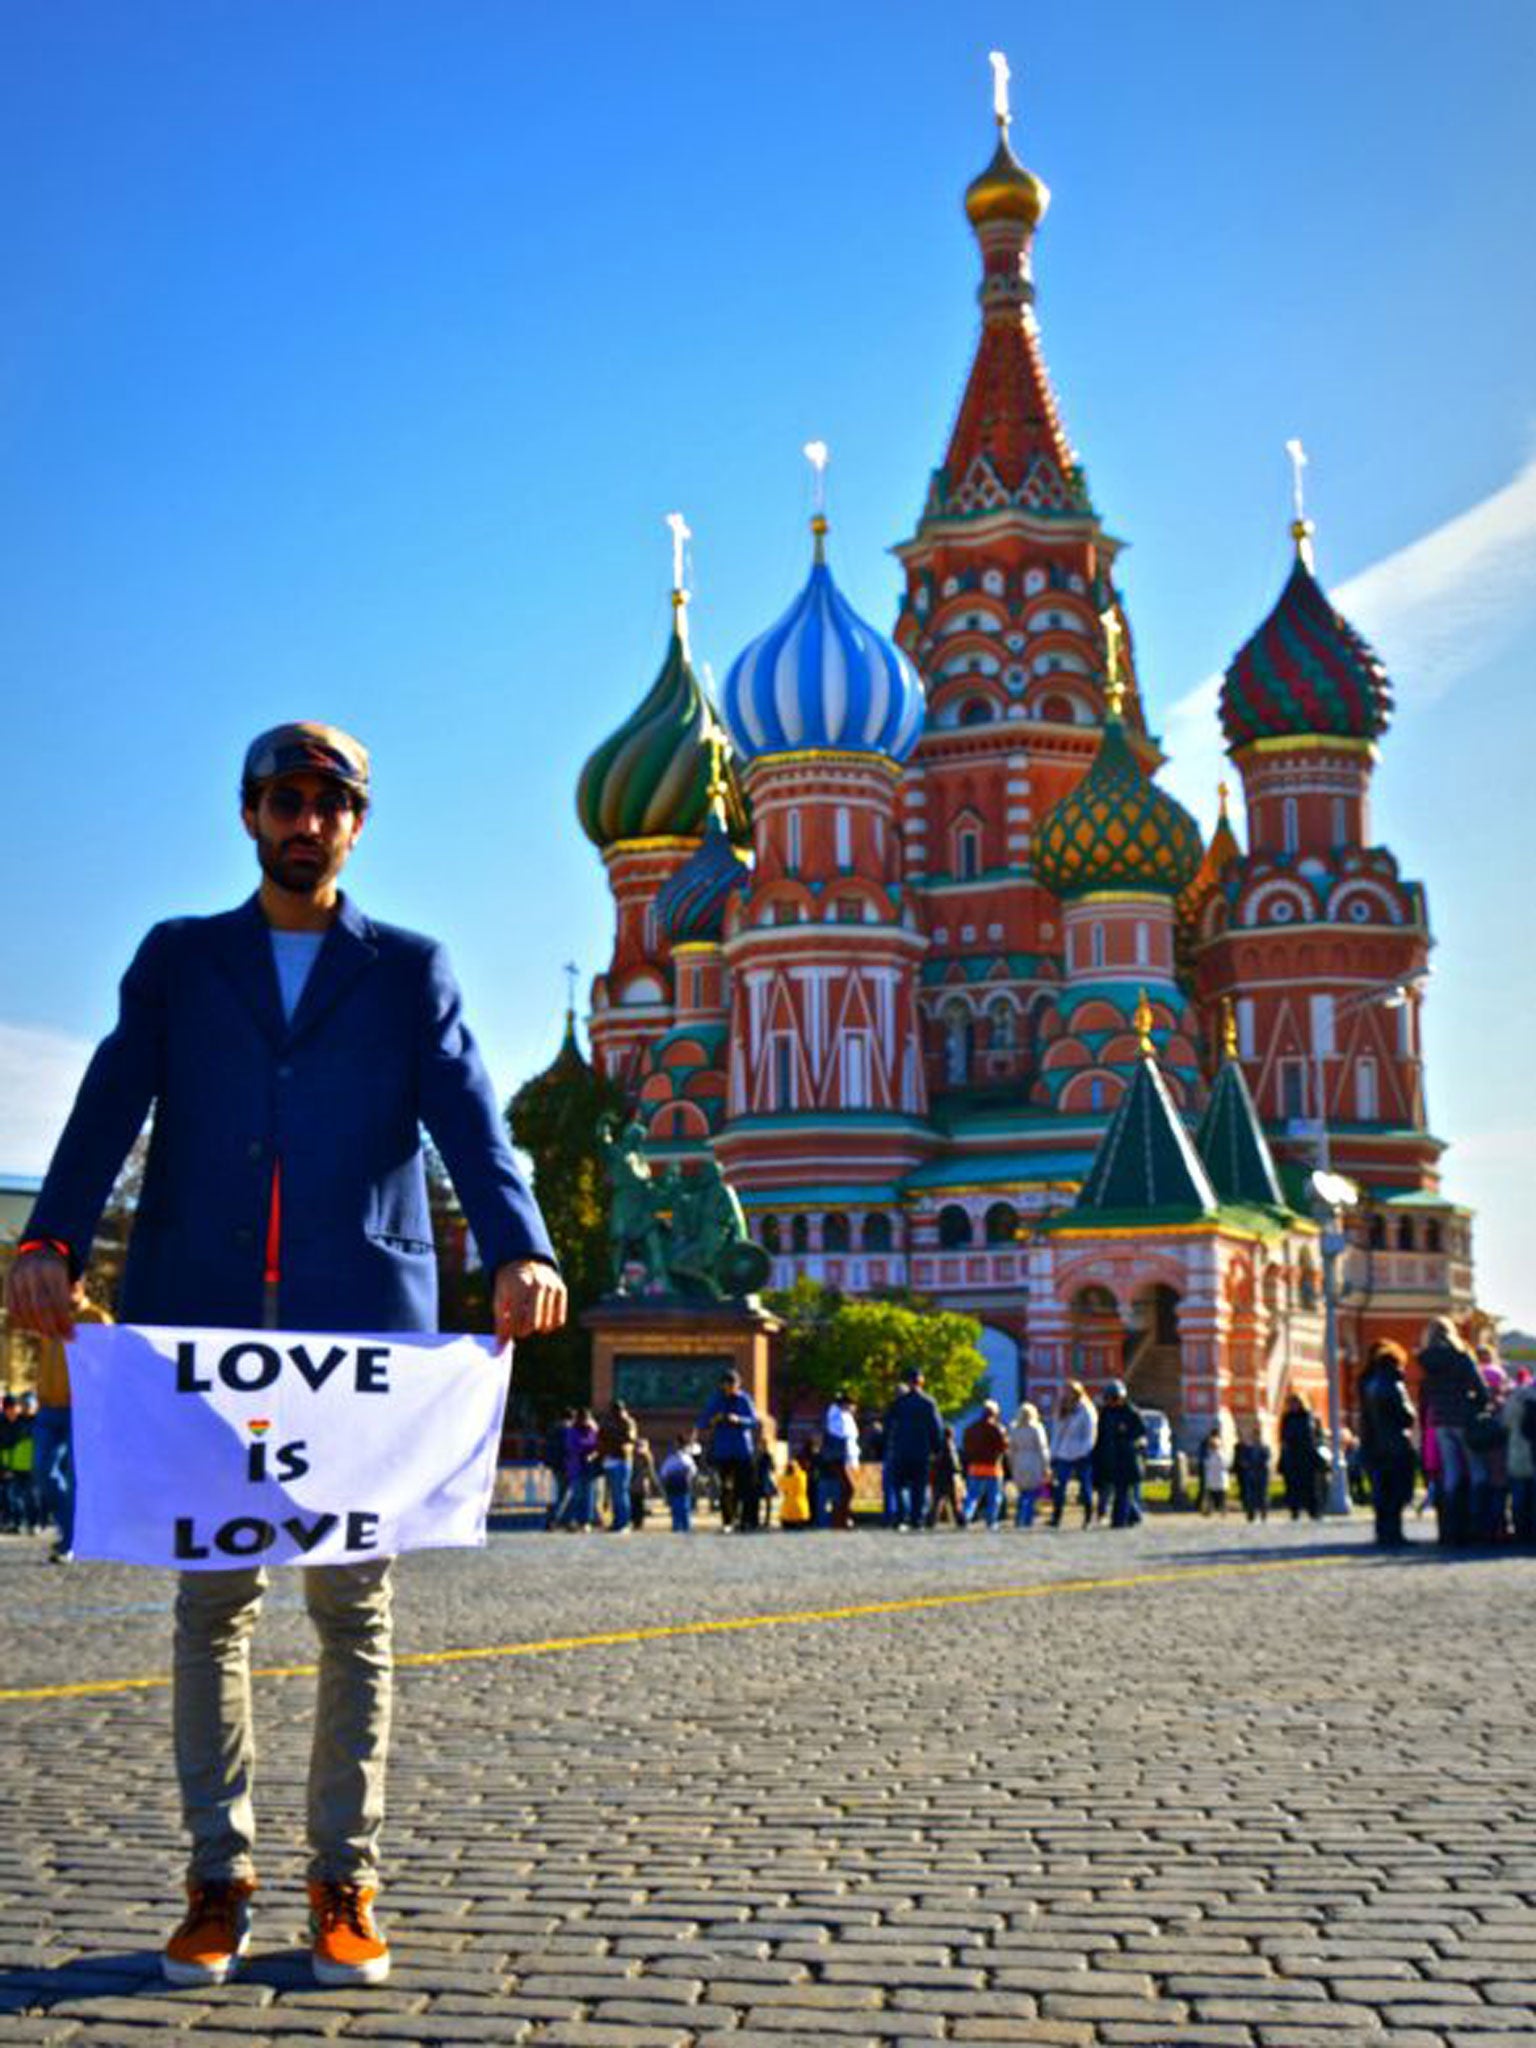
(605, 1474)
(1471, 1439)
(1474, 1444)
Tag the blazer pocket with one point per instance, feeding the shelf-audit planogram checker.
(406, 1247)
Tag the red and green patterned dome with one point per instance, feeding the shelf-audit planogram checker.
(651, 778)
(1305, 671)
(1116, 830)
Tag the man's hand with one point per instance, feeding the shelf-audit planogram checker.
(529, 1299)
(39, 1295)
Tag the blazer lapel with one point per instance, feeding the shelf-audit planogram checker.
(245, 953)
(348, 953)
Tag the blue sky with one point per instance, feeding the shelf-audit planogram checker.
(353, 354)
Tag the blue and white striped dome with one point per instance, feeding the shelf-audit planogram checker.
(821, 677)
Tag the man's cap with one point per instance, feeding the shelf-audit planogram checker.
(911, 1375)
(304, 748)
(1114, 1389)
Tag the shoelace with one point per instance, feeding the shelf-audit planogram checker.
(341, 1901)
(218, 1900)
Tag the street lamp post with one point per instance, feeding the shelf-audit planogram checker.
(1332, 1195)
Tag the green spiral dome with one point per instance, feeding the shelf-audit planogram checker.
(1116, 830)
(650, 779)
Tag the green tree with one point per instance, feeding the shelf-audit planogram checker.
(553, 1118)
(830, 1342)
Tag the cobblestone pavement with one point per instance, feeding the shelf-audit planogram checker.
(1186, 1784)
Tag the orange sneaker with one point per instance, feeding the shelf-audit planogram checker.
(206, 1948)
(346, 1946)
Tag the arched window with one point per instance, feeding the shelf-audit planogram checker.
(799, 1234)
(968, 853)
(1002, 1223)
(876, 1233)
(1290, 827)
(1002, 1022)
(1143, 943)
(1405, 1241)
(1432, 1238)
(768, 1235)
(1096, 945)
(1367, 1105)
(792, 842)
(1378, 1233)
(835, 1233)
(1340, 826)
(957, 1045)
(843, 832)
(954, 1226)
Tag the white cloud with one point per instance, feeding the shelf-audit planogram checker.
(1445, 605)
(39, 1073)
(1436, 610)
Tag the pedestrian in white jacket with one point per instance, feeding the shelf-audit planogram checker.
(1072, 1440)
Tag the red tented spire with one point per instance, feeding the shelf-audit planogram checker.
(1008, 447)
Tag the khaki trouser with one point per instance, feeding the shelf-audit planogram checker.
(215, 1735)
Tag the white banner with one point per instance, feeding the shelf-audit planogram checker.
(210, 1449)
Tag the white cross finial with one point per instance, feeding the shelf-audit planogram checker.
(1000, 77)
(816, 455)
(1301, 525)
(1298, 456)
(681, 532)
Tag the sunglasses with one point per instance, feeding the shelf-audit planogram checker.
(289, 805)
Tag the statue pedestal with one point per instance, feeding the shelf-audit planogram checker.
(664, 1357)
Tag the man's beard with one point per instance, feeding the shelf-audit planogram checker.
(299, 874)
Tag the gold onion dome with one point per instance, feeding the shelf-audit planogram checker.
(1006, 191)
(1116, 830)
(651, 779)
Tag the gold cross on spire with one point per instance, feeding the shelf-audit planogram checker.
(816, 453)
(1228, 1028)
(1000, 77)
(1302, 528)
(1143, 1021)
(1114, 658)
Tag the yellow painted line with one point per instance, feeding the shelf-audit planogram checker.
(799, 1617)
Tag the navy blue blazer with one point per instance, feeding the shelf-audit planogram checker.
(376, 1049)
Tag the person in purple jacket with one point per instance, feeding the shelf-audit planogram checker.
(291, 1051)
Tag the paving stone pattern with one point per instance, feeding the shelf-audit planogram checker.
(1264, 1809)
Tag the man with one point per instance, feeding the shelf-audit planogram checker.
(729, 1425)
(914, 1430)
(1122, 1433)
(291, 1050)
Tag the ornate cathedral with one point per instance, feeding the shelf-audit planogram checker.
(911, 940)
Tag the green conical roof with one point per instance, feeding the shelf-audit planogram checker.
(1232, 1144)
(651, 778)
(1147, 1159)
